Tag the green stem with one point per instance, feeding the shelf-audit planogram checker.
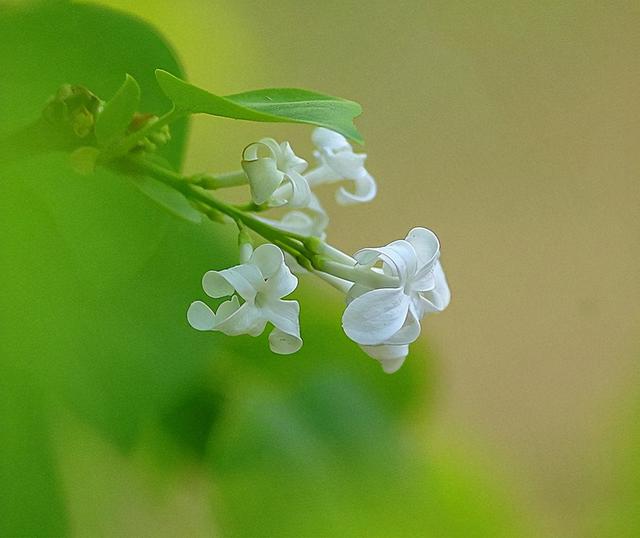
(288, 241)
(334, 281)
(253, 207)
(317, 245)
(362, 275)
(310, 252)
(129, 142)
(221, 181)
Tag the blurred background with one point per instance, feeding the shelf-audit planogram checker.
(509, 128)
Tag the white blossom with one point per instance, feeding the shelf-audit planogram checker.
(384, 321)
(274, 172)
(338, 162)
(261, 283)
(311, 220)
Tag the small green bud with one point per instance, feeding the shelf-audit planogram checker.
(74, 109)
(154, 139)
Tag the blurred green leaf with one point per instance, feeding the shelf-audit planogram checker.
(93, 293)
(269, 105)
(31, 500)
(328, 459)
(320, 444)
(166, 197)
(116, 116)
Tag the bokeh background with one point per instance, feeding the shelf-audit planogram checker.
(509, 128)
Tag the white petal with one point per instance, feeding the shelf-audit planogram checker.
(347, 165)
(323, 173)
(442, 287)
(437, 299)
(274, 149)
(300, 190)
(283, 343)
(246, 250)
(326, 139)
(245, 279)
(312, 221)
(281, 284)
(408, 333)
(399, 255)
(285, 338)
(319, 217)
(268, 259)
(200, 316)
(234, 319)
(423, 281)
(391, 357)
(227, 309)
(264, 178)
(426, 245)
(386, 351)
(284, 315)
(337, 162)
(215, 285)
(288, 161)
(343, 286)
(267, 147)
(365, 191)
(295, 221)
(357, 290)
(391, 366)
(375, 316)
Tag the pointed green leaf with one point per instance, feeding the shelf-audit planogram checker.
(288, 105)
(170, 199)
(116, 116)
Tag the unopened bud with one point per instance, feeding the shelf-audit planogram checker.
(155, 138)
(74, 109)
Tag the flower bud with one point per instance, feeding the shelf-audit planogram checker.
(74, 109)
(153, 139)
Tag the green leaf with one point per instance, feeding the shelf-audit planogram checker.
(112, 123)
(95, 341)
(288, 105)
(169, 198)
(33, 503)
(328, 458)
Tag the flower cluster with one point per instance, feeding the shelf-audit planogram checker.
(388, 290)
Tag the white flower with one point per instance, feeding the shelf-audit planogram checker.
(338, 162)
(261, 282)
(311, 220)
(275, 174)
(384, 321)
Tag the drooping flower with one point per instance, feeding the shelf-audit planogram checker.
(261, 283)
(338, 162)
(275, 174)
(384, 321)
